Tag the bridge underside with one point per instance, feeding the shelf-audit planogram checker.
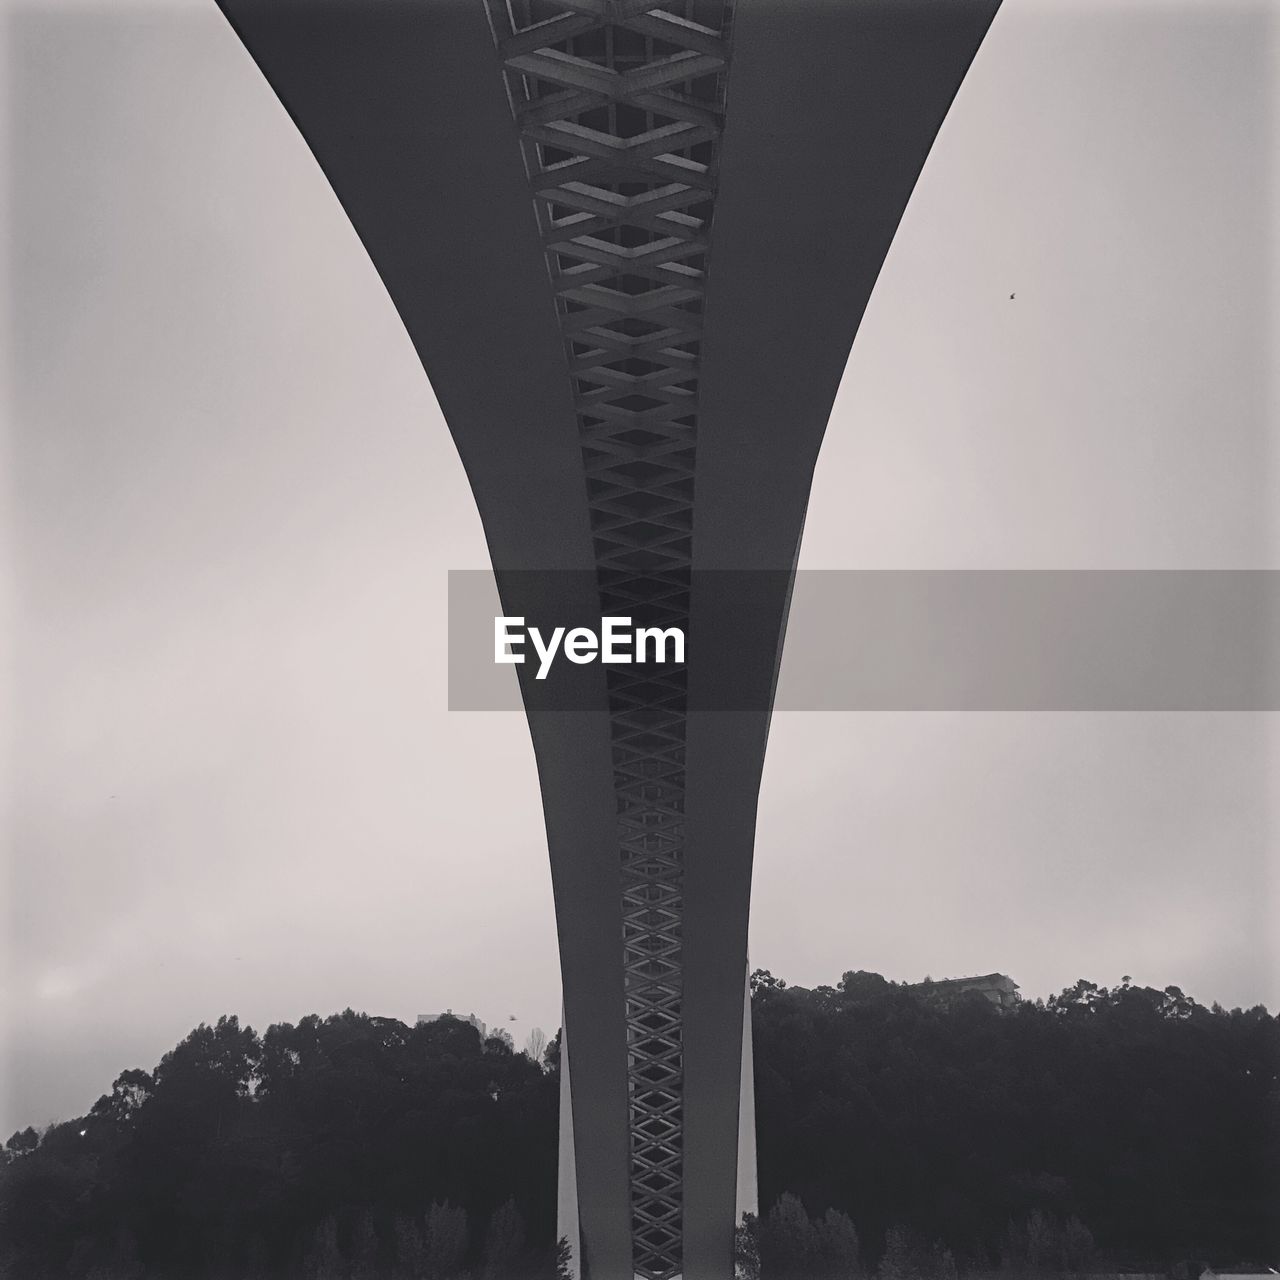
(632, 244)
(746, 1200)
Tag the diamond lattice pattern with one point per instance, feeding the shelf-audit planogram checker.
(620, 107)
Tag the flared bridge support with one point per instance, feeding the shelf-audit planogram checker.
(632, 243)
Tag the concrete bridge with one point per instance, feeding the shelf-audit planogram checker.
(632, 243)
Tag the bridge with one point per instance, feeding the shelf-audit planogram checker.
(632, 243)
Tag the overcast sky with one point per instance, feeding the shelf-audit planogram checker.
(235, 786)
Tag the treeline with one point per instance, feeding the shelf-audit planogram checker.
(338, 1149)
(901, 1135)
(1146, 1119)
(790, 1245)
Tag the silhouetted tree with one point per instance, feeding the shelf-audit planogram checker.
(746, 1248)
(837, 1252)
(446, 1241)
(364, 1249)
(500, 1040)
(551, 1055)
(561, 1263)
(906, 1256)
(788, 1242)
(762, 981)
(22, 1143)
(411, 1249)
(323, 1259)
(504, 1243)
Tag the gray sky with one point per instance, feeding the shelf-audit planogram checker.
(233, 782)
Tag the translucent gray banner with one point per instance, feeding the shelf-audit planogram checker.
(900, 640)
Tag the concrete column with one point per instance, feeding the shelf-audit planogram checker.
(567, 1170)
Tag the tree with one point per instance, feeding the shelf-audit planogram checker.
(787, 1242)
(323, 1258)
(226, 1053)
(364, 1249)
(121, 1260)
(22, 1143)
(411, 1250)
(500, 1040)
(1013, 1247)
(1084, 997)
(763, 981)
(555, 1263)
(837, 1250)
(563, 1260)
(1044, 1243)
(746, 1248)
(535, 1046)
(128, 1094)
(446, 1240)
(1078, 1253)
(257, 1265)
(551, 1055)
(503, 1242)
(858, 984)
(905, 1257)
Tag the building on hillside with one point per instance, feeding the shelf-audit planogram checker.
(998, 988)
(461, 1017)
